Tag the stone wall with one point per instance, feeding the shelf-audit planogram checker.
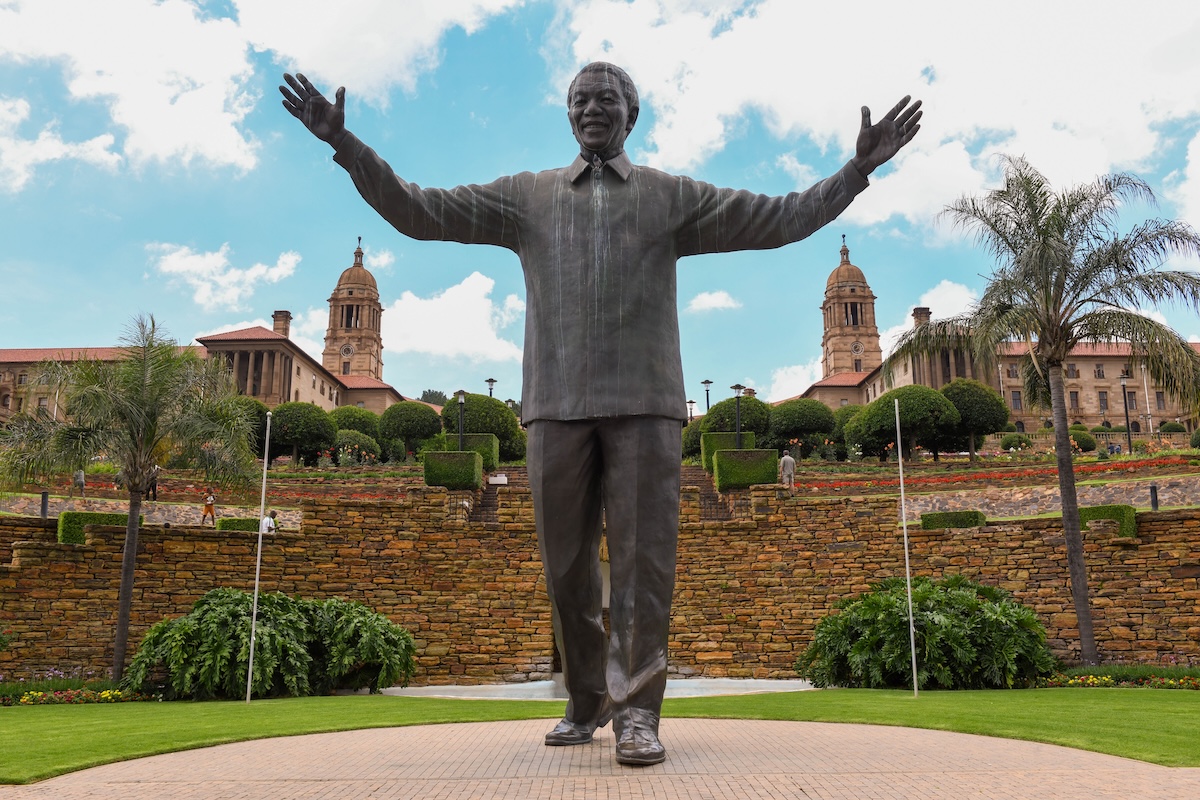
(748, 591)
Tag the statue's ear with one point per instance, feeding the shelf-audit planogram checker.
(633, 115)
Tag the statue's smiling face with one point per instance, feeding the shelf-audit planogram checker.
(600, 116)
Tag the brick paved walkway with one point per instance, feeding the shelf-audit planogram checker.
(708, 760)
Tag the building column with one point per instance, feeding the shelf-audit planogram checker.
(237, 367)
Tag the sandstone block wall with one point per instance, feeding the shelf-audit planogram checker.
(748, 590)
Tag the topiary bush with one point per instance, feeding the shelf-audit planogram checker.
(71, 523)
(723, 416)
(486, 444)
(409, 422)
(712, 442)
(1172, 427)
(238, 524)
(454, 470)
(691, 439)
(352, 448)
(484, 414)
(353, 418)
(935, 520)
(741, 469)
(1083, 440)
(1016, 441)
(1078, 426)
(1126, 516)
(969, 636)
(302, 647)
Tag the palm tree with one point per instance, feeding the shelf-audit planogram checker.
(1067, 275)
(152, 401)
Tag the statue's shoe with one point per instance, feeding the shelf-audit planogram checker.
(567, 733)
(640, 747)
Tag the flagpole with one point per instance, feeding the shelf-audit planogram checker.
(912, 629)
(262, 511)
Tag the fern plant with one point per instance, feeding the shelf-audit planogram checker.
(302, 647)
(968, 636)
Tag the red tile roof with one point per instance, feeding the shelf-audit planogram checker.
(362, 382)
(256, 333)
(32, 355)
(843, 379)
(1084, 350)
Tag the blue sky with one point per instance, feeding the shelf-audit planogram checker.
(152, 169)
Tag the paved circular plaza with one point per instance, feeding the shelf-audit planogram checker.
(708, 760)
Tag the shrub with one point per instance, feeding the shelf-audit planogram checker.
(1140, 445)
(353, 418)
(484, 414)
(409, 422)
(238, 524)
(1077, 426)
(353, 448)
(1010, 428)
(1100, 429)
(924, 415)
(691, 439)
(803, 420)
(454, 470)
(755, 416)
(1172, 427)
(1126, 516)
(302, 647)
(486, 444)
(71, 523)
(1016, 441)
(301, 429)
(1102, 455)
(934, 520)
(1083, 440)
(712, 442)
(1195, 441)
(969, 636)
(739, 469)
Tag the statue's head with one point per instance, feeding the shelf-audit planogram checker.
(602, 105)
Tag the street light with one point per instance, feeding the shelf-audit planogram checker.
(1125, 402)
(461, 394)
(737, 414)
(706, 384)
(490, 382)
(691, 409)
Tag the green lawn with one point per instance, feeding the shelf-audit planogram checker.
(1159, 726)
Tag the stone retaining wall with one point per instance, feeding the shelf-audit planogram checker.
(748, 590)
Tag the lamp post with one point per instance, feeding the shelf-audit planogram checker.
(706, 384)
(1125, 402)
(490, 382)
(461, 394)
(737, 414)
(691, 409)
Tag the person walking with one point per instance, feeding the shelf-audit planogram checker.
(78, 481)
(210, 507)
(267, 524)
(787, 469)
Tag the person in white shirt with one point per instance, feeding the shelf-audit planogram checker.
(268, 522)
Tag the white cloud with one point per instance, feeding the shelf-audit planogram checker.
(947, 299)
(372, 45)
(308, 330)
(175, 82)
(379, 261)
(712, 301)
(20, 157)
(461, 322)
(787, 382)
(215, 283)
(706, 66)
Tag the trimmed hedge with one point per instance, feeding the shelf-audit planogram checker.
(1126, 516)
(70, 523)
(486, 444)
(717, 440)
(238, 524)
(739, 469)
(936, 520)
(454, 469)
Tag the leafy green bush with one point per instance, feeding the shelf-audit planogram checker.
(712, 442)
(486, 444)
(935, 520)
(1077, 426)
(739, 469)
(1126, 516)
(969, 636)
(454, 470)
(1100, 429)
(71, 523)
(238, 524)
(301, 429)
(409, 422)
(1172, 427)
(484, 414)
(353, 448)
(302, 647)
(353, 418)
(804, 421)
(1083, 440)
(924, 415)
(723, 416)
(691, 439)
(1016, 441)
(1195, 441)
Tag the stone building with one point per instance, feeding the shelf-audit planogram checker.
(266, 364)
(1096, 376)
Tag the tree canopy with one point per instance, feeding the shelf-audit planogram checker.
(303, 429)
(981, 409)
(409, 422)
(755, 414)
(353, 418)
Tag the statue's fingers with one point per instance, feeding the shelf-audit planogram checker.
(866, 117)
(909, 135)
(896, 109)
(292, 82)
(911, 114)
(339, 97)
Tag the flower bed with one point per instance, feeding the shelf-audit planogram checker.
(76, 697)
(1060, 680)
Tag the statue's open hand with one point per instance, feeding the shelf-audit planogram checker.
(879, 142)
(326, 120)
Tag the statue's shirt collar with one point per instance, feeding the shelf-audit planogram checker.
(620, 164)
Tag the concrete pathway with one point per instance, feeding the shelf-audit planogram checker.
(707, 760)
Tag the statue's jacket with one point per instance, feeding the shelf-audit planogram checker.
(599, 245)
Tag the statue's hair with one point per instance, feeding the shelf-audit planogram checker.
(628, 90)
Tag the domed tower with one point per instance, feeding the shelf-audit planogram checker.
(353, 340)
(851, 340)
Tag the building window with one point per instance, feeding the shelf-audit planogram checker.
(858, 365)
(1160, 401)
(361, 404)
(1134, 427)
(345, 367)
(1103, 396)
(1016, 401)
(297, 395)
(297, 372)
(1099, 371)
(20, 404)
(1072, 372)
(844, 401)
(1020, 426)
(314, 381)
(1131, 398)
(1013, 371)
(22, 378)
(1125, 373)
(322, 388)
(42, 403)
(6, 401)
(1075, 400)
